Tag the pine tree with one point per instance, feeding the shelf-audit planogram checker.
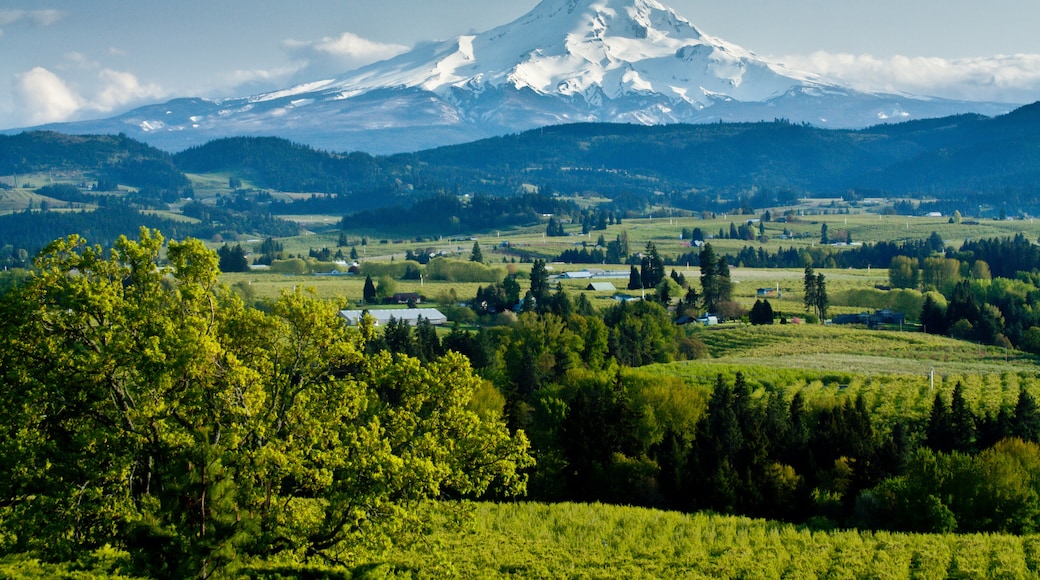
(815, 298)
(1026, 422)
(369, 291)
(652, 267)
(933, 316)
(427, 345)
(939, 432)
(724, 285)
(539, 282)
(822, 301)
(809, 298)
(476, 255)
(709, 279)
(635, 281)
(761, 313)
(962, 422)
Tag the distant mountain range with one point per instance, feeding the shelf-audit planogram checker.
(566, 61)
(975, 164)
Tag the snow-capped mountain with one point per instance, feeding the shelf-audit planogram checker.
(629, 61)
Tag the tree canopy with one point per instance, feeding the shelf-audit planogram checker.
(173, 422)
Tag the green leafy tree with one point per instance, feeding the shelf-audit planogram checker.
(175, 423)
(385, 287)
(476, 255)
(903, 272)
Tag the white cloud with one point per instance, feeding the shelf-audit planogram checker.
(1007, 78)
(122, 88)
(43, 97)
(336, 55)
(30, 17)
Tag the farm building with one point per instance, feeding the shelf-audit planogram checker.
(409, 315)
(405, 297)
(601, 287)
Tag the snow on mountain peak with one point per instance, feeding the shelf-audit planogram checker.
(583, 47)
(627, 61)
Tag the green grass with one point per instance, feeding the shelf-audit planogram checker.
(897, 373)
(835, 347)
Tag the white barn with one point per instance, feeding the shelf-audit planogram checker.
(409, 315)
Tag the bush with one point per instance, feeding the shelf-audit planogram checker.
(692, 348)
(731, 310)
(460, 314)
(293, 266)
(459, 271)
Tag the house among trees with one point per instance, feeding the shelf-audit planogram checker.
(708, 320)
(410, 316)
(406, 298)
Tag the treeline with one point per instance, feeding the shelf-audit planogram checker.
(450, 214)
(31, 231)
(602, 431)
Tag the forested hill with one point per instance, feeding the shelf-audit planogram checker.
(107, 158)
(952, 157)
(968, 163)
(279, 164)
(938, 157)
(963, 153)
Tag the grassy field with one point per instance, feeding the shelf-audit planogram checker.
(898, 373)
(528, 540)
(665, 233)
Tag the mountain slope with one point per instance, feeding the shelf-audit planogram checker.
(620, 61)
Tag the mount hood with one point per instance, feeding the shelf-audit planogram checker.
(618, 61)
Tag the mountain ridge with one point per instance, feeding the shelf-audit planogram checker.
(564, 61)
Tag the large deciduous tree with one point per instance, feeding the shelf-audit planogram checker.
(148, 409)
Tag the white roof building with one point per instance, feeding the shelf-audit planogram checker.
(409, 315)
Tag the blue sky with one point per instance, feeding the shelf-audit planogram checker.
(75, 59)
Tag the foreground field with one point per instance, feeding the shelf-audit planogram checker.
(599, 541)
